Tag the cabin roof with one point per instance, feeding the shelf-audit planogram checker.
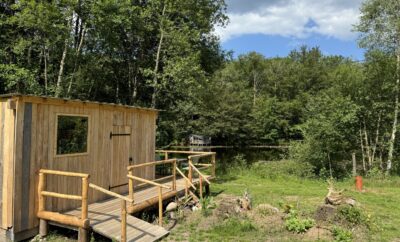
(66, 101)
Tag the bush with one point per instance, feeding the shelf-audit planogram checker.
(284, 168)
(295, 224)
(353, 215)
(342, 235)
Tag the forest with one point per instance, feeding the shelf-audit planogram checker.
(165, 54)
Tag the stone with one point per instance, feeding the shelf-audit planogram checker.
(172, 206)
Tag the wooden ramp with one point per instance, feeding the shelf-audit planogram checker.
(105, 216)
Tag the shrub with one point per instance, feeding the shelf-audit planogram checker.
(207, 205)
(353, 215)
(284, 168)
(342, 235)
(295, 224)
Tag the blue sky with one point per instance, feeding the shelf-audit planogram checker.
(275, 27)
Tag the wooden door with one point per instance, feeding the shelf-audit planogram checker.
(120, 137)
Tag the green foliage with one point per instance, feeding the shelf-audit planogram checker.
(342, 235)
(282, 169)
(207, 205)
(234, 225)
(295, 224)
(353, 215)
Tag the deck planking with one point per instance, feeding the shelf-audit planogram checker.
(105, 216)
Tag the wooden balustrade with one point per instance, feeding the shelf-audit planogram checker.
(82, 223)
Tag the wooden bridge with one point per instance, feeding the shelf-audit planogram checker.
(109, 217)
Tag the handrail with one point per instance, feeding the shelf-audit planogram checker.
(64, 173)
(116, 195)
(154, 163)
(184, 177)
(123, 207)
(148, 181)
(200, 174)
(183, 152)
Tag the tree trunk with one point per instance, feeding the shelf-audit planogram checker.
(77, 54)
(353, 156)
(396, 111)
(376, 137)
(155, 79)
(60, 73)
(367, 147)
(45, 70)
(362, 150)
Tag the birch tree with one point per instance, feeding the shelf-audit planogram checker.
(380, 29)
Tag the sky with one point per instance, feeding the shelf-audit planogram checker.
(275, 27)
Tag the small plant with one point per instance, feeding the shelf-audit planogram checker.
(207, 204)
(353, 215)
(295, 224)
(342, 235)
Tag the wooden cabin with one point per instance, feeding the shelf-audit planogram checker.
(98, 139)
(199, 140)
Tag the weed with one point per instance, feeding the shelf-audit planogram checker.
(353, 215)
(207, 204)
(342, 235)
(295, 224)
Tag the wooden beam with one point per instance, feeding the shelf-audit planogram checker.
(63, 219)
(154, 163)
(113, 194)
(63, 173)
(123, 221)
(201, 174)
(160, 206)
(148, 182)
(60, 195)
(186, 179)
(149, 202)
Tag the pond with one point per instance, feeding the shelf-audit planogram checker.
(226, 156)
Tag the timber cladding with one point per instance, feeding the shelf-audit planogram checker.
(117, 136)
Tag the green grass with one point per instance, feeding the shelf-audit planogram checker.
(380, 202)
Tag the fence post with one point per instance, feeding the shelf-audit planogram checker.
(123, 221)
(201, 186)
(160, 207)
(190, 170)
(213, 165)
(186, 188)
(165, 155)
(174, 175)
(43, 227)
(83, 232)
(130, 181)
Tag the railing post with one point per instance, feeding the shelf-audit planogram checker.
(83, 232)
(130, 186)
(43, 227)
(201, 186)
(123, 221)
(213, 165)
(174, 174)
(186, 188)
(85, 187)
(190, 170)
(160, 206)
(165, 155)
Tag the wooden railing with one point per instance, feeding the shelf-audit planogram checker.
(160, 186)
(83, 222)
(192, 166)
(124, 200)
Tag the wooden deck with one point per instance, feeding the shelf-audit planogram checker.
(105, 216)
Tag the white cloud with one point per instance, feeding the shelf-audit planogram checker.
(288, 18)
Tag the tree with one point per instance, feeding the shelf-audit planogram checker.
(380, 29)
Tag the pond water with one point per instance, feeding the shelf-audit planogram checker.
(226, 156)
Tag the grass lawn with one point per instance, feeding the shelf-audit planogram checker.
(380, 201)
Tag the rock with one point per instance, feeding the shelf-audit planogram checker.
(350, 202)
(172, 206)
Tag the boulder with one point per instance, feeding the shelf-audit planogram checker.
(172, 206)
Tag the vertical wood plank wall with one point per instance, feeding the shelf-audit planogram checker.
(35, 149)
(6, 164)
